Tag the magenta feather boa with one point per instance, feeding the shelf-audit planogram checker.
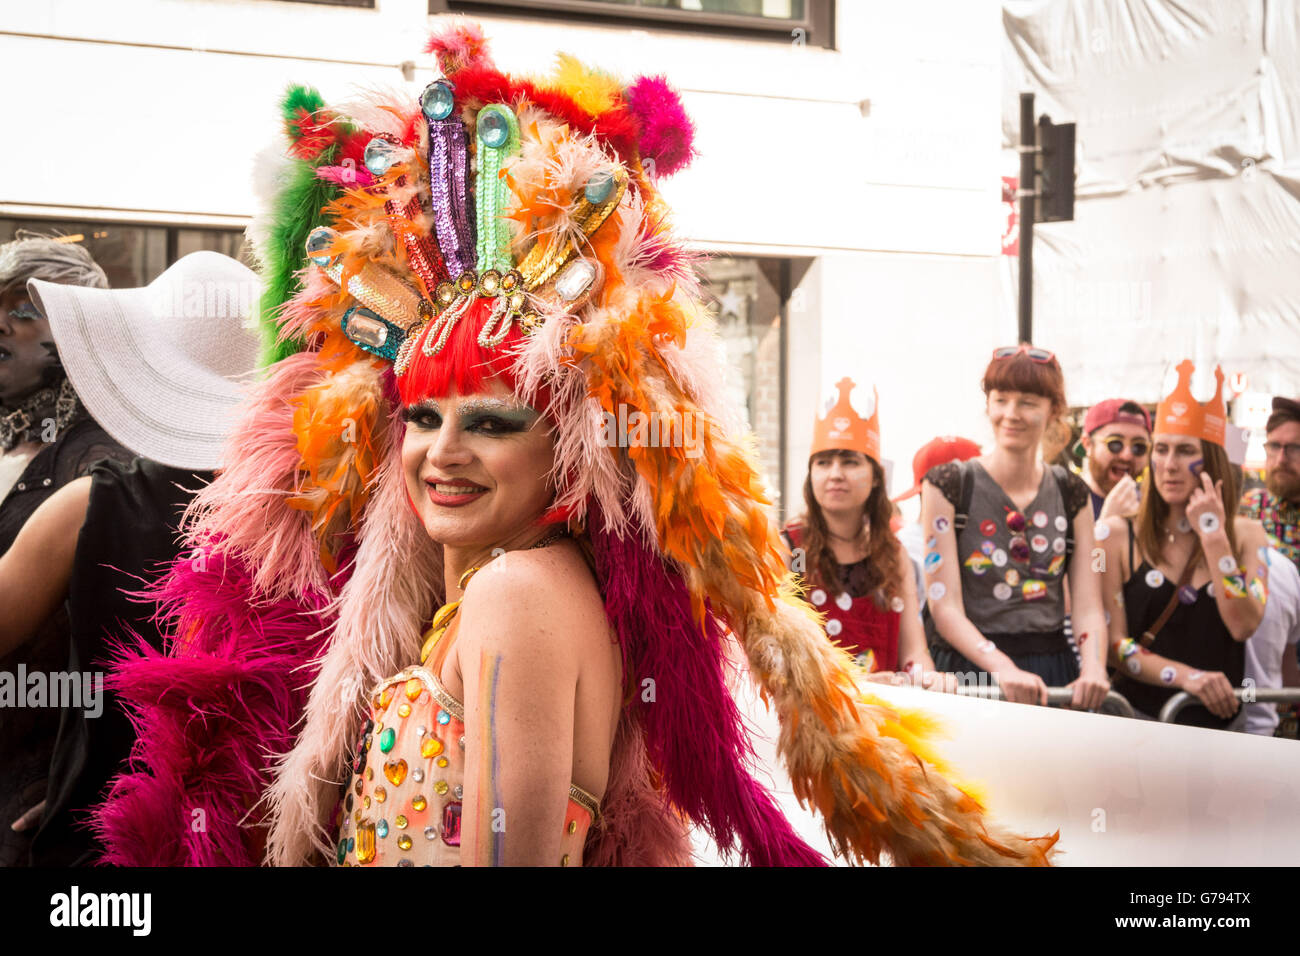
(694, 732)
(210, 715)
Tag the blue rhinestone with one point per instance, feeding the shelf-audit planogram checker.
(437, 100)
(381, 828)
(492, 128)
(319, 240)
(352, 844)
(444, 717)
(599, 187)
(380, 156)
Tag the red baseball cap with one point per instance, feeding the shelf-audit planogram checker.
(1104, 413)
(938, 451)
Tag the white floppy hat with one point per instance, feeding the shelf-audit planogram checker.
(161, 368)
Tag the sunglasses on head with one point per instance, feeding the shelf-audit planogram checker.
(1116, 445)
(1035, 354)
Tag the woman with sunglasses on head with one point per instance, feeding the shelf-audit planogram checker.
(1175, 585)
(853, 568)
(1004, 534)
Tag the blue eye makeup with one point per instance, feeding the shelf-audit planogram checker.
(484, 417)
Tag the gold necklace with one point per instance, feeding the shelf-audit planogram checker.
(447, 613)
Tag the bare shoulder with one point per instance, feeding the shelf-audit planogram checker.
(1250, 537)
(543, 600)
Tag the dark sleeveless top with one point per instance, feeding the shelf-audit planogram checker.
(1194, 635)
(854, 619)
(129, 534)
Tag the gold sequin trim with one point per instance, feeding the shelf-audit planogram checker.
(585, 800)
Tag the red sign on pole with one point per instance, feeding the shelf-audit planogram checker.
(1010, 216)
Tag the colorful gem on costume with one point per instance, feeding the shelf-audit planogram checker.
(365, 842)
(1002, 590)
(442, 761)
(1155, 578)
(1012, 577)
(431, 747)
(343, 851)
(417, 775)
(599, 187)
(431, 832)
(978, 563)
(988, 527)
(1057, 565)
(1015, 521)
(458, 791)
(576, 279)
(360, 784)
(395, 771)
(444, 717)
(387, 739)
(318, 243)
(441, 788)
(384, 698)
(493, 127)
(1039, 543)
(1018, 549)
(451, 824)
(400, 821)
(380, 155)
(418, 803)
(380, 794)
(437, 100)
(381, 829)
(988, 547)
(404, 841)
(414, 688)
(1040, 519)
(1033, 589)
(403, 709)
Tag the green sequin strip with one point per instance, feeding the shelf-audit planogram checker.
(492, 193)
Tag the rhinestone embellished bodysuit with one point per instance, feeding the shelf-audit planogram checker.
(402, 806)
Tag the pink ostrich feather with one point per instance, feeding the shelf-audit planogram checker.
(667, 133)
(460, 43)
(245, 510)
(395, 586)
(209, 715)
(695, 737)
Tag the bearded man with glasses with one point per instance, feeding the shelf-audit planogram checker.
(1277, 505)
(1117, 440)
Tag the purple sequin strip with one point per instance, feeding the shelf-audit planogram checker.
(449, 184)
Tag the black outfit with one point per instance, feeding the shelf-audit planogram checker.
(27, 734)
(129, 536)
(1194, 635)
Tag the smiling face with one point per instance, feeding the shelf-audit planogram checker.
(841, 480)
(477, 466)
(1108, 467)
(1018, 418)
(28, 359)
(1172, 461)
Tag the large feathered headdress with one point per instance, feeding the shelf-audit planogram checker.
(510, 227)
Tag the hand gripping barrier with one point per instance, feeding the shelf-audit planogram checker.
(1258, 695)
(1056, 697)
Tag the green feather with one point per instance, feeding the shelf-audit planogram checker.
(296, 212)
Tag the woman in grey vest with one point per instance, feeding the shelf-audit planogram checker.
(1005, 532)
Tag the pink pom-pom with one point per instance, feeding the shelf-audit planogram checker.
(667, 133)
(457, 46)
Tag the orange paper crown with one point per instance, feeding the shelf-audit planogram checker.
(843, 427)
(1181, 414)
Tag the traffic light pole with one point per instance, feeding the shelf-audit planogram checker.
(1026, 193)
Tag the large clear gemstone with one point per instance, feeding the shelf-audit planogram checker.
(576, 279)
(380, 155)
(437, 100)
(493, 128)
(366, 328)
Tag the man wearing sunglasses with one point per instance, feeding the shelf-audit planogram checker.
(1117, 440)
(1277, 505)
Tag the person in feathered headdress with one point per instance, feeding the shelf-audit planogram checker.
(465, 293)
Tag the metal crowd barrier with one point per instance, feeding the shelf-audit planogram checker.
(1259, 695)
(1056, 697)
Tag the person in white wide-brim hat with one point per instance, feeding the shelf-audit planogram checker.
(162, 369)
